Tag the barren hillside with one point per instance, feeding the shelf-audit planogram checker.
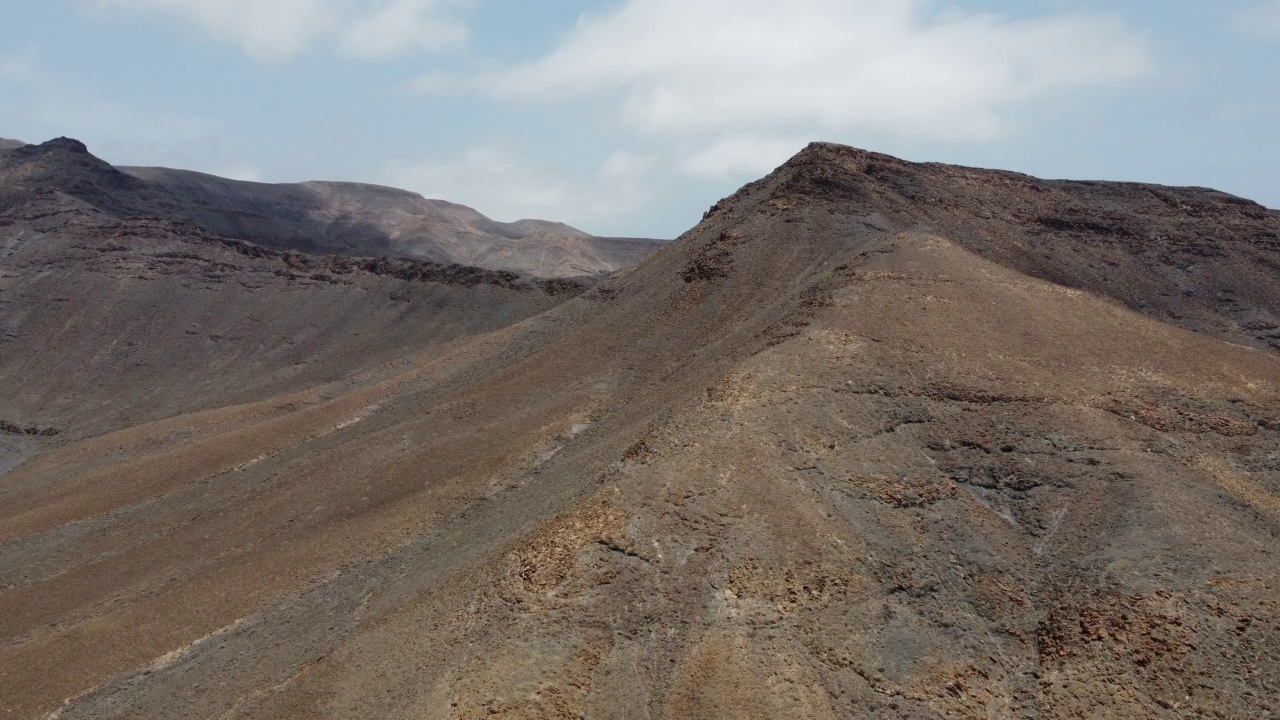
(874, 439)
(335, 217)
(314, 217)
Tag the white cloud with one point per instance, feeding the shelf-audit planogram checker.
(23, 68)
(1261, 19)
(741, 154)
(276, 30)
(403, 25)
(436, 82)
(749, 66)
(40, 104)
(241, 171)
(504, 188)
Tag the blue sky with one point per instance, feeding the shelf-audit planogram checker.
(630, 117)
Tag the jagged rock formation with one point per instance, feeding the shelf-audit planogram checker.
(874, 440)
(314, 217)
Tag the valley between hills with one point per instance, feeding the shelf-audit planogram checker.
(875, 439)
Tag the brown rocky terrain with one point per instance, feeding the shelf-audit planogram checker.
(875, 439)
(314, 217)
(136, 319)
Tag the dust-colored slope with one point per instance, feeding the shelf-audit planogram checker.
(804, 462)
(314, 217)
(106, 324)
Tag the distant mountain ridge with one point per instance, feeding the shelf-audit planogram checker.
(313, 217)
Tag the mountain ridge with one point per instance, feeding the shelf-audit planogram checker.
(316, 217)
(844, 449)
(1154, 235)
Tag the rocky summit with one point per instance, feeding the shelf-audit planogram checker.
(875, 439)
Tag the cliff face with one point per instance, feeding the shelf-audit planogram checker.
(874, 439)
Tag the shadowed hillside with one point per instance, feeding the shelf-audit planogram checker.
(314, 217)
(117, 321)
(874, 439)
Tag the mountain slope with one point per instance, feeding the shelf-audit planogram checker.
(1198, 258)
(108, 323)
(813, 459)
(317, 217)
(331, 217)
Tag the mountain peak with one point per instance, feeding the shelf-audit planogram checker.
(829, 156)
(821, 151)
(61, 144)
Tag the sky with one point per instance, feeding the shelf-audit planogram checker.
(631, 117)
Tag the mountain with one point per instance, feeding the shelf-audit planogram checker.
(333, 217)
(315, 217)
(874, 439)
(6, 144)
(123, 321)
